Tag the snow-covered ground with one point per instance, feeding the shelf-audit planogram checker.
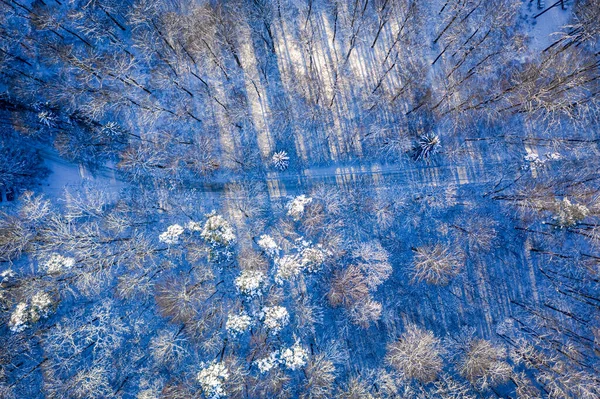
(67, 175)
(544, 29)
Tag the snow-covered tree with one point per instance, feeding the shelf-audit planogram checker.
(275, 318)
(251, 282)
(212, 377)
(238, 323)
(171, 236)
(568, 214)
(217, 230)
(31, 311)
(295, 208)
(280, 160)
(268, 244)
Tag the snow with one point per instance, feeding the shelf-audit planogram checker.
(544, 28)
(65, 174)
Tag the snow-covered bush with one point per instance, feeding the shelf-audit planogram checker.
(40, 304)
(275, 318)
(294, 357)
(212, 378)
(268, 244)
(250, 282)
(267, 363)
(171, 236)
(306, 257)
(4, 277)
(568, 213)
(280, 160)
(295, 208)
(57, 263)
(533, 161)
(532, 157)
(238, 324)
(27, 313)
(217, 230)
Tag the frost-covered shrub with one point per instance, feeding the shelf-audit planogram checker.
(268, 244)
(217, 230)
(6, 275)
(250, 282)
(112, 129)
(568, 213)
(90, 383)
(212, 378)
(294, 357)
(57, 263)
(171, 236)
(320, 377)
(238, 324)
(288, 267)
(266, 364)
(27, 313)
(295, 208)
(280, 160)
(275, 318)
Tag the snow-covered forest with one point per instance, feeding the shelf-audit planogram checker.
(313, 199)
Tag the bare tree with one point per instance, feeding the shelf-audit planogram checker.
(436, 264)
(320, 379)
(483, 364)
(416, 354)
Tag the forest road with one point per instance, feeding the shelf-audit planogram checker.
(405, 173)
